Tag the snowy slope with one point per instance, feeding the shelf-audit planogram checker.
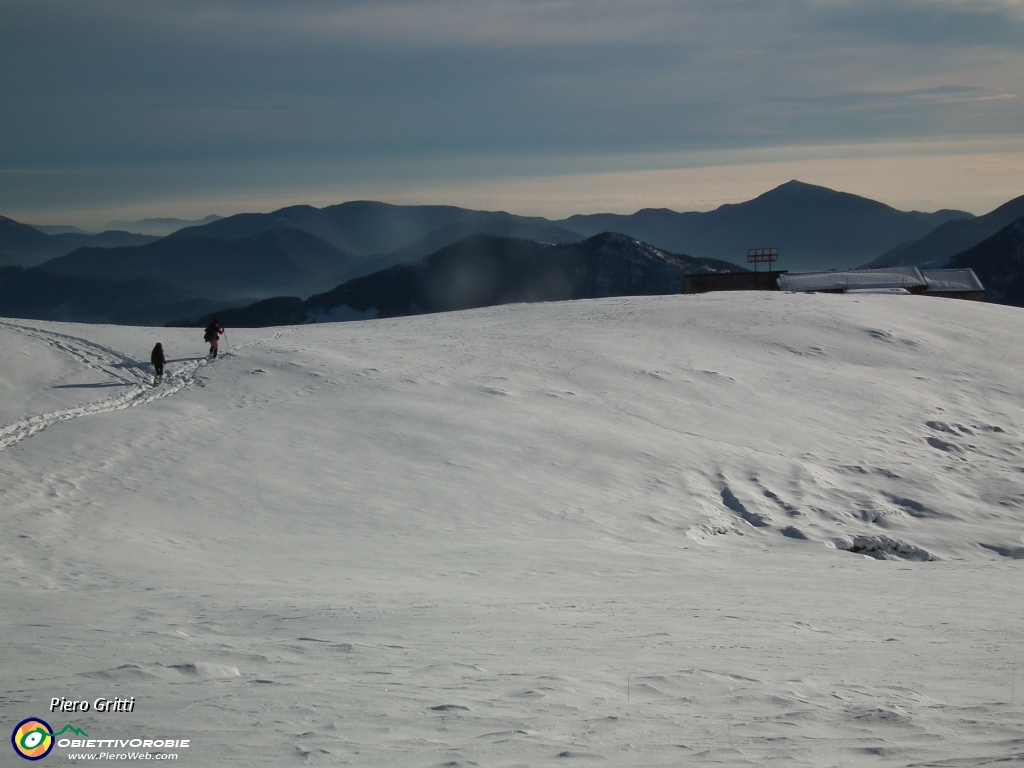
(604, 532)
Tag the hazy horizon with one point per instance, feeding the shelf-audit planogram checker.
(553, 197)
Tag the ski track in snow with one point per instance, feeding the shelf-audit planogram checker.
(109, 362)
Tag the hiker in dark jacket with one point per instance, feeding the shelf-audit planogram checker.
(157, 359)
(213, 333)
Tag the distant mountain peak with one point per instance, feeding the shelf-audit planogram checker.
(795, 187)
(797, 184)
(613, 237)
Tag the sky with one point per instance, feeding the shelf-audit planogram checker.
(121, 109)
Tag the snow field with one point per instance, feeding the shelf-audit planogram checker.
(602, 532)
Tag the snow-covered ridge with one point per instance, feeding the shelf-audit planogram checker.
(710, 530)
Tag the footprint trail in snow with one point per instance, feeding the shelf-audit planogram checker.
(135, 375)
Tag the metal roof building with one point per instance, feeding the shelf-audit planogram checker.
(954, 283)
(909, 279)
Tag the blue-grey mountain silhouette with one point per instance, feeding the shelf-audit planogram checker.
(365, 228)
(40, 294)
(264, 264)
(161, 227)
(813, 227)
(999, 264)
(951, 238)
(483, 270)
(26, 246)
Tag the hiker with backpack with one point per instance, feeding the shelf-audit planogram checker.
(213, 334)
(156, 357)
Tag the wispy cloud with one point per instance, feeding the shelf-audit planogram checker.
(532, 23)
(397, 82)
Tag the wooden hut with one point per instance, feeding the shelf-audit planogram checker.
(731, 281)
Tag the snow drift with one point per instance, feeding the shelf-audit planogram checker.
(718, 529)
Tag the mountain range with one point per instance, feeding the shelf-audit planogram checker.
(161, 227)
(302, 251)
(25, 246)
(813, 227)
(255, 266)
(41, 294)
(483, 270)
(999, 264)
(366, 228)
(951, 238)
